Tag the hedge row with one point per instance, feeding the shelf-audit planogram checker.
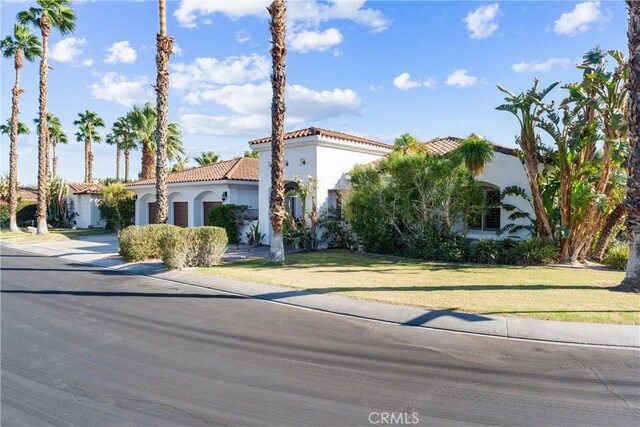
(177, 247)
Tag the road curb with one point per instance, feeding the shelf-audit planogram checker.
(606, 335)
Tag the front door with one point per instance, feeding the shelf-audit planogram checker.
(206, 208)
(181, 214)
(153, 209)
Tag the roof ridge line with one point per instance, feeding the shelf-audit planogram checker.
(232, 168)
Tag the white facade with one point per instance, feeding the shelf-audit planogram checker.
(84, 208)
(327, 159)
(196, 194)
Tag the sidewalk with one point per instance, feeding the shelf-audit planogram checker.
(102, 251)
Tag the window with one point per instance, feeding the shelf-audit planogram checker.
(490, 220)
(291, 199)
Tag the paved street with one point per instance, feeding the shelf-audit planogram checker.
(83, 345)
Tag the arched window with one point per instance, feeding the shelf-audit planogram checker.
(291, 201)
(490, 219)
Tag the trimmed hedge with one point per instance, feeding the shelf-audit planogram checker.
(138, 243)
(177, 247)
(193, 247)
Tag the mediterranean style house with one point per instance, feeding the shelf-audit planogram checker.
(324, 155)
(82, 202)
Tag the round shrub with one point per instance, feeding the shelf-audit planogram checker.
(176, 248)
(193, 247)
(138, 243)
(484, 251)
(617, 255)
(535, 251)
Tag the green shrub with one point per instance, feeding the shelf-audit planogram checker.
(138, 243)
(254, 236)
(336, 233)
(617, 255)
(25, 213)
(484, 251)
(109, 214)
(230, 217)
(193, 247)
(535, 251)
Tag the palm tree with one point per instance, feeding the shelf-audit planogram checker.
(88, 122)
(207, 158)
(122, 131)
(631, 280)
(113, 139)
(476, 153)
(50, 14)
(23, 44)
(407, 143)
(181, 164)
(277, 12)
(164, 45)
(57, 136)
(143, 123)
(250, 154)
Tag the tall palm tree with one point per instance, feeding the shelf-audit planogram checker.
(55, 135)
(49, 14)
(182, 163)
(88, 123)
(164, 45)
(113, 139)
(207, 158)
(22, 45)
(277, 12)
(143, 122)
(127, 142)
(631, 280)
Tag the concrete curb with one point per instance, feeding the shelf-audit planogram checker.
(526, 329)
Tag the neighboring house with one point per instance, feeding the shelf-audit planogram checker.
(26, 195)
(505, 170)
(83, 205)
(194, 192)
(325, 155)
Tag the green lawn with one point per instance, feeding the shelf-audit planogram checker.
(554, 293)
(54, 234)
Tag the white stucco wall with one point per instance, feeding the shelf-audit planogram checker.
(326, 159)
(86, 208)
(195, 194)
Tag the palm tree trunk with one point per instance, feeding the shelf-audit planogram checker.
(613, 221)
(118, 152)
(631, 280)
(127, 162)
(43, 142)
(148, 163)
(277, 12)
(542, 220)
(13, 150)
(164, 46)
(87, 154)
(54, 165)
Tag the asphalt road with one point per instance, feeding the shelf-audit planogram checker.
(85, 346)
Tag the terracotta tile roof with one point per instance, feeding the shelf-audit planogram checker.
(85, 188)
(446, 145)
(240, 169)
(327, 134)
(25, 194)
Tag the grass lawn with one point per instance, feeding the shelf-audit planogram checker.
(54, 234)
(553, 293)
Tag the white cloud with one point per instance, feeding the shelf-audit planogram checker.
(121, 52)
(483, 21)
(579, 19)
(404, 82)
(311, 11)
(461, 78)
(87, 62)
(204, 72)
(242, 36)
(251, 104)
(308, 40)
(123, 90)
(67, 49)
(548, 65)
(177, 50)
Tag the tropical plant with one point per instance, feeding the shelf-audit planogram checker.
(476, 153)
(56, 136)
(527, 107)
(57, 207)
(407, 143)
(251, 154)
(116, 195)
(87, 123)
(143, 125)
(254, 236)
(182, 163)
(631, 280)
(49, 14)
(22, 45)
(123, 130)
(207, 158)
(164, 45)
(277, 26)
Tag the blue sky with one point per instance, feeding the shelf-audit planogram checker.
(374, 68)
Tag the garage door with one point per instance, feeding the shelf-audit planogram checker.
(180, 214)
(207, 207)
(153, 208)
